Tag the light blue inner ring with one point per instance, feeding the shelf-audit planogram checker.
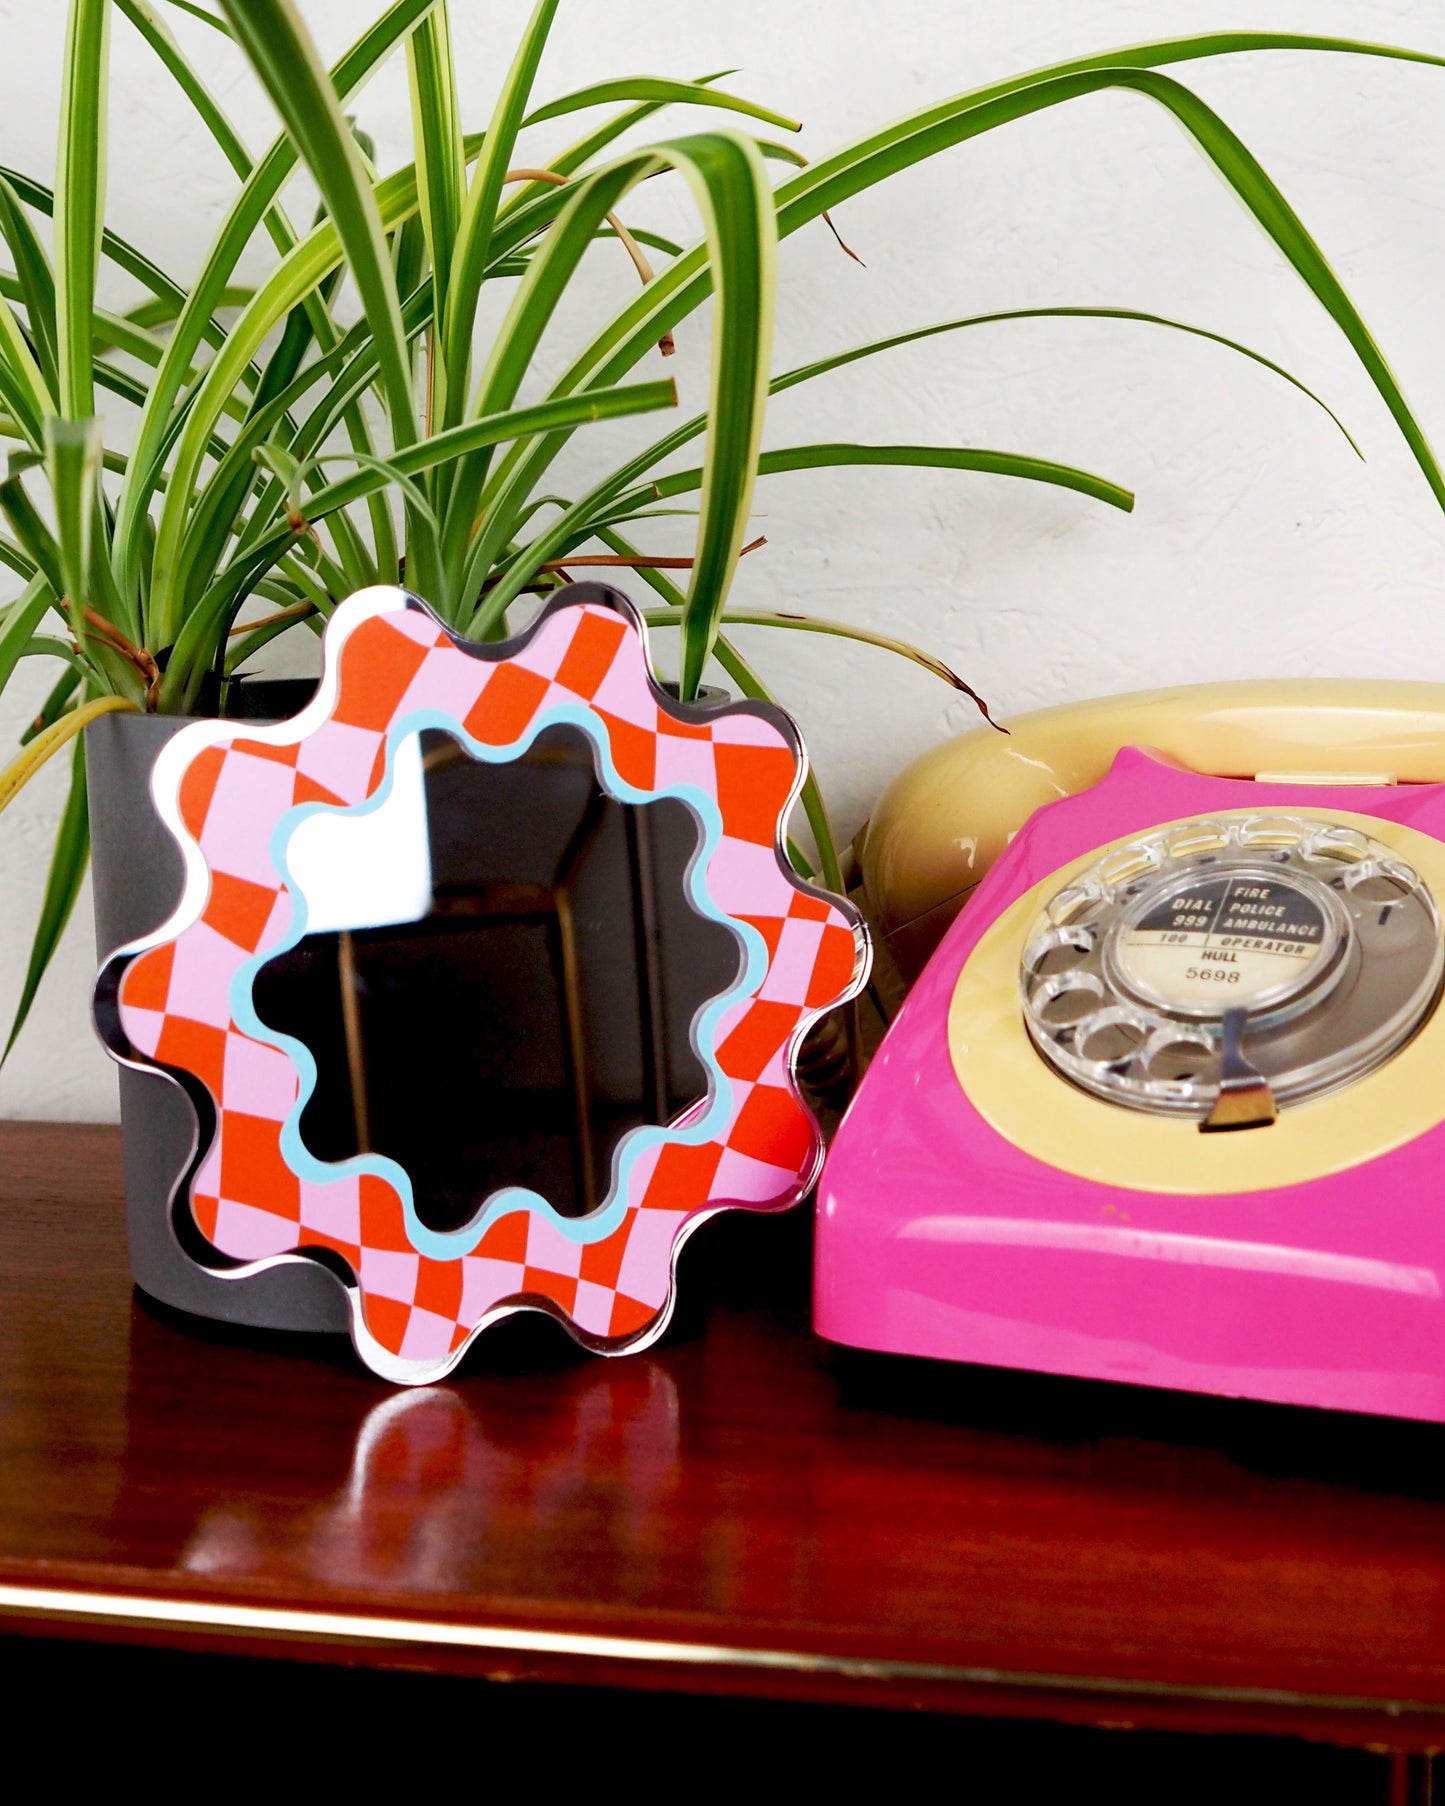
(598, 1224)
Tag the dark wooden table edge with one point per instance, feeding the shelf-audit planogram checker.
(520, 1652)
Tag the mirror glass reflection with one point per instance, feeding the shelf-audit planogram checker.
(501, 974)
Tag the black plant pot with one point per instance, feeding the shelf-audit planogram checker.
(542, 1009)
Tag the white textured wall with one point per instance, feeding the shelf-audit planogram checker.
(1260, 545)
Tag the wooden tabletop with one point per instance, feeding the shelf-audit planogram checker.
(742, 1509)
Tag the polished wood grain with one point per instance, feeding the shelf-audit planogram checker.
(742, 1509)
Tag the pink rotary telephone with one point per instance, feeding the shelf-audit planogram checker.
(1167, 1102)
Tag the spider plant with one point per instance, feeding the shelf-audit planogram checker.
(279, 458)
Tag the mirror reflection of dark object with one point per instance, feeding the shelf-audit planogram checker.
(540, 1009)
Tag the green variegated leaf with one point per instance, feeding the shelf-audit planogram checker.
(441, 165)
(207, 622)
(934, 457)
(68, 861)
(284, 57)
(657, 92)
(58, 700)
(34, 537)
(479, 212)
(80, 201)
(301, 270)
(725, 175)
(72, 463)
(841, 630)
(34, 284)
(20, 622)
(200, 12)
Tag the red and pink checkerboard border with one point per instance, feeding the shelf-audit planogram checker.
(228, 791)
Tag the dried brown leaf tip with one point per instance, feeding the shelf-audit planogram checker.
(843, 244)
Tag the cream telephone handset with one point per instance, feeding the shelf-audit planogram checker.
(1186, 912)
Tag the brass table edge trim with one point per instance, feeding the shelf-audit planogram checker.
(141, 1610)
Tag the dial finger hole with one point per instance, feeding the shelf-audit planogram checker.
(1340, 846)
(1198, 838)
(1130, 863)
(1180, 1058)
(1060, 1002)
(1059, 950)
(1075, 905)
(1271, 831)
(1111, 1036)
(1382, 883)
